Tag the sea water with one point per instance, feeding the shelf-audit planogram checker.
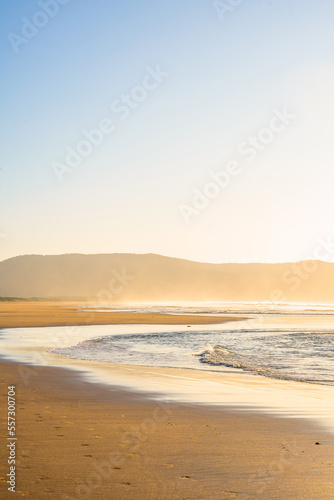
(282, 341)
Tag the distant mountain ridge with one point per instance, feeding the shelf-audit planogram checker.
(152, 277)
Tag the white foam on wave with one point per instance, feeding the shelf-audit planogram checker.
(220, 356)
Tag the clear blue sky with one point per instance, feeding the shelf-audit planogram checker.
(222, 80)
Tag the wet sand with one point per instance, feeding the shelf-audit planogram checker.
(83, 440)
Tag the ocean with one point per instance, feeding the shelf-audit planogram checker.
(280, 341)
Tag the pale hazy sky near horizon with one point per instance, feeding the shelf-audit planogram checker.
(223, 78)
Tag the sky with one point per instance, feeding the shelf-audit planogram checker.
(194, 129)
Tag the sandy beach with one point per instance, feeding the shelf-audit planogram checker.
(89, 441)
(167, 250)
(28, 313)
(81, 440)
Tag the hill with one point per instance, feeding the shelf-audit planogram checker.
(150, 277)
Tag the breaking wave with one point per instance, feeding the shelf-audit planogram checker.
(219, 355)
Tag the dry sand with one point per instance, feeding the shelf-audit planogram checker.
(24, 314)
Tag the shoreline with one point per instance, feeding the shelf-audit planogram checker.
(252, 393)
(38, 314)
(112, 443)
(233, 387)
(86, 430)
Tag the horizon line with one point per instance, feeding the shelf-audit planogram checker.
(165, 256)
